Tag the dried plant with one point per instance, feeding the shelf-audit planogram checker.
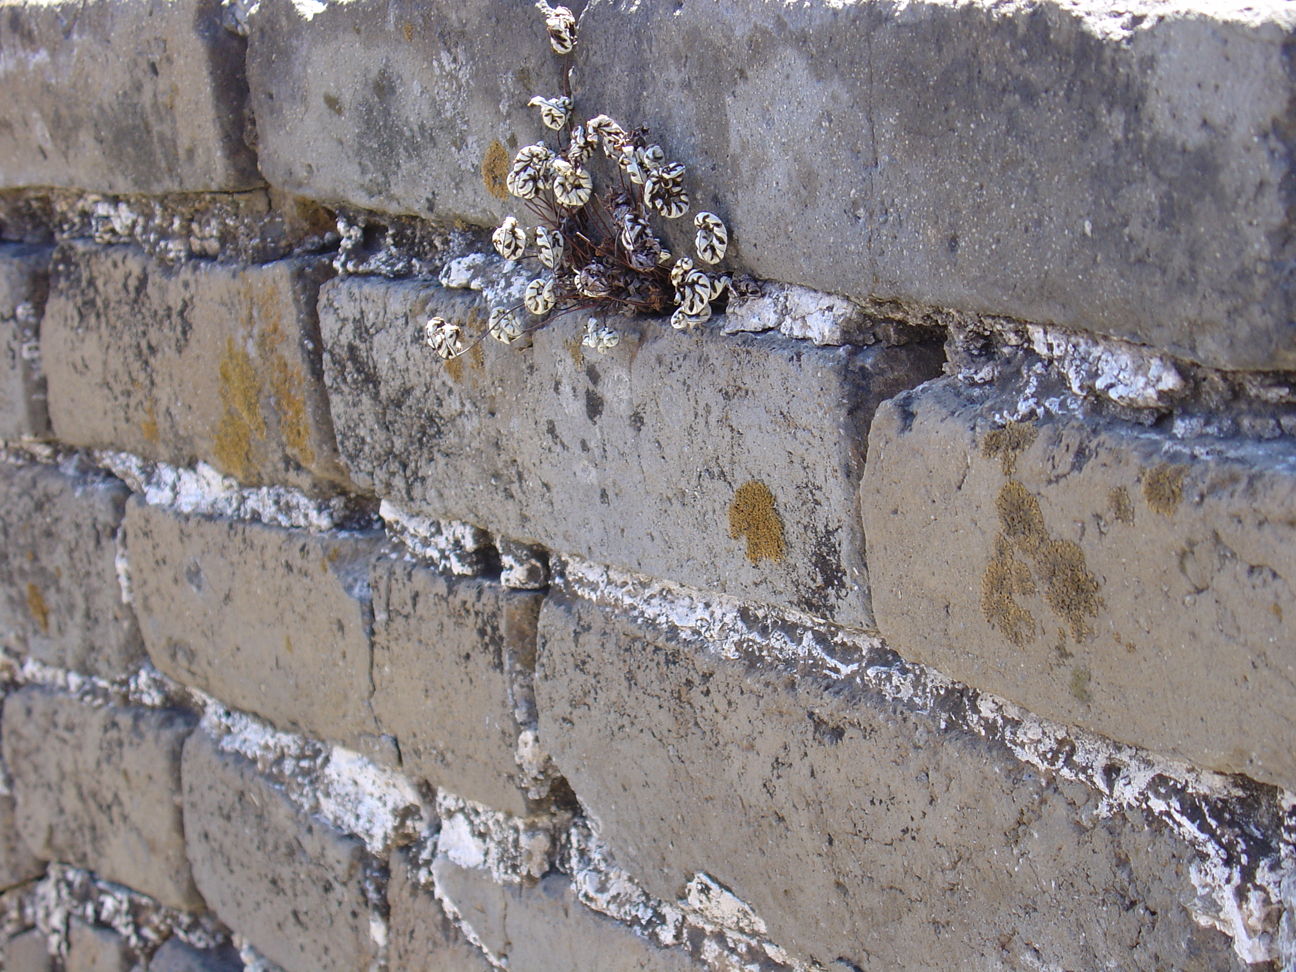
(598, 247)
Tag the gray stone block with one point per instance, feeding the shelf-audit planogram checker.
(203, 361)
(269, 620)
(135, 96)
(28, 952)
(397, 105)
(17, 862)
(99, 787)
(452, 671)
(857, 829)
(1101, 574)
(60, 596)
(95, 949)
(420, 936)
(176, 956)
(545, 928)
(24, 284)
(726, 463)
(289, 883)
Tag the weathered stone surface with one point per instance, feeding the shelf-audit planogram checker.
(452, 672)
(397, 105)
(269, 620)
(856, 828)
(24, 284)
(727, 463)
(288, 882)
(17, 863)
(545, 928)
(1100, 574)
(201, 361)
(95, 949)
(135, 96)
(99, 787)
(28, 952)
(420, 936)
(176, 956)
(60, 597)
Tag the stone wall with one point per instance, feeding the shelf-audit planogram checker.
(933, 606)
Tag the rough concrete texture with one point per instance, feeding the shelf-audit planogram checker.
(397, 105)
(95, 949)
(545, 928)
(856, 829)
(201, 361)
(17, 862)
(24, 284)
(60, 597)
(420, 936)
(726, 463)
(28, 952)
(134, 96)
(452, 669)
(293, 886)
(1100, 574)
(266, 619)
(99, 787)
(176, 956)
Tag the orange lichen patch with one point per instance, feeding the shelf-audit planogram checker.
(1070, 590)
(242, 423)
(476, 358)
(149, 426)
(408, 31)
(456, 369)
(495, 170)
(1005, 578)
(36, 605)
(1121, 506)
(752, 515)
(1008, 443)
(1163, 488)
(576, 351)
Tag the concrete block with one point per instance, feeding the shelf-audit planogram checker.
(545, 928)
(176, 956)
(859, 830)
(268, 620)
(28, 952)
(95, 949)
(17, 862)
(420, 936)
(99, 787)
(726, 463)
(453, 665)
(201, 361)
(140, 96)
(60, 596)
(293, 886)
(397, 105)
(1101, 574)
(24, 284)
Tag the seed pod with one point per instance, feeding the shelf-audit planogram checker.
(683, 321)
(712, 238)
(582, 147)
(510, 239)
(539, 296)
(651, 158)
(663, 192)
(600, 337)
(693, 293)
(554, 112)
(549, 243)
(504, 325)
(444, 338)
(572, 184)
(561, 26)
(681, 269)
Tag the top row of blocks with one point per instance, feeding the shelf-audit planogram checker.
(1124, 174)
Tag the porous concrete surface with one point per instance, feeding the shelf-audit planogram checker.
(401, 106)
(177, 956)
(24, 284)
(99, 786)
(726, 463)
(289, 883)
(857, 829)
(95, 949)
(17, 862)
(453, 660)
(421, 938)
(124, 96)
(60, 596)
(28, 952)
(1099, 573)
(270, 620)
(546, 928)
(203, 361)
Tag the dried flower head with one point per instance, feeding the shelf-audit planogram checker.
(504, 325)
(444, 338)
(510, 239)
(554, 112)
(572, 184)
(549, 244)
(561, 26)
(539, 297)
(712, 238)
(600, 337)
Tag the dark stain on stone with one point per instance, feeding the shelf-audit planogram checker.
(593, 404)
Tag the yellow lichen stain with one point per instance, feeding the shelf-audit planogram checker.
(1276, 610)
(1008, 443)
(36, 605)
(241, 424)
(408, 31)
(330, 558)
(1163, 488)
(149, 426)
(1005, 578)
(1080, 678)
(285, 380)
(576, 351)
(752, 515)
(1121, 506)
(495, 169)
(455, 367)
(476, 358)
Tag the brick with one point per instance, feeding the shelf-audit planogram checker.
(95, 949)
(98, 787)
(177, 956)
(17, 863)
(270, 620)
(420, 936)
(349, 100)
(60, 597)
(675, 439)
(545, 928)
(453, 664)
(28, 952)
(858, 829)
(203, 361)
(24, 284)
(289, 883)
(1101, 574)
(135, 96)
